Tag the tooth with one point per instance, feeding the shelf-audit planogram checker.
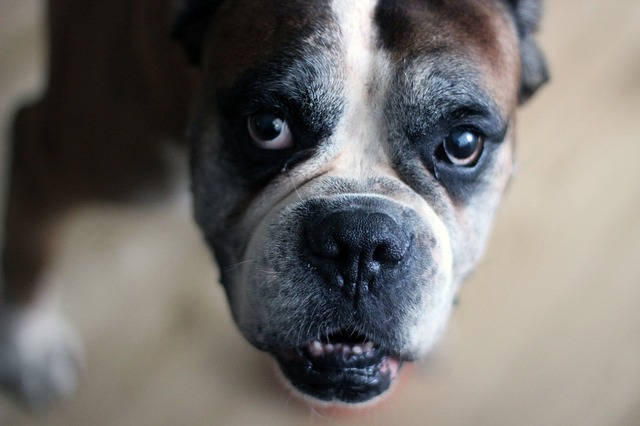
(357, 350)
(338, 346)
(368, 346)
(315, 348)
(328, 348)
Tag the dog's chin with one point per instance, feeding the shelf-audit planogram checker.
(339, 370)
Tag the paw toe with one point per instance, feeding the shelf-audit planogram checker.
(40, 357)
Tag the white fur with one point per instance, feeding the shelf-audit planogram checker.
(40, 353)
(360, 132)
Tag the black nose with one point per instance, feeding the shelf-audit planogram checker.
(353, 248)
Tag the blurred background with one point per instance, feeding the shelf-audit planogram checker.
(548, 328)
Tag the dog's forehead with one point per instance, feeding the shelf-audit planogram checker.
(426, 25)
(249, 33)
(476, 31)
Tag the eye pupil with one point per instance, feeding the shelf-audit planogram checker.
(269, 130)
(463, 147)
(267, 126)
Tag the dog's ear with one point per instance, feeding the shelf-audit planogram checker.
(527, 14)
(191, 21)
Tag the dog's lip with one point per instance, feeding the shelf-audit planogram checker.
(349, 370)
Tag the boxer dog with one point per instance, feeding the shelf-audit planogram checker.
(347, 159)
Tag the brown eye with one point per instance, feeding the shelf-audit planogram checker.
(463, 147)
(269, 131)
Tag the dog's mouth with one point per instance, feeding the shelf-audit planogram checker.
(341, 367)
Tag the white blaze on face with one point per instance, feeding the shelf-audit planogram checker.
(360, 133)
(361, 139)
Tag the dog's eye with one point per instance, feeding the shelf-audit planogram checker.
(269, 131)
(463, 147)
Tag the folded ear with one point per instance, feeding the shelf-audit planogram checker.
(190, 24)
(534, 72)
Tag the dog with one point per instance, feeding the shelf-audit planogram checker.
(347, 160)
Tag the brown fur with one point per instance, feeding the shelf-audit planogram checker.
(117, 85)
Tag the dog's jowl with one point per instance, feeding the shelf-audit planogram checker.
(347, 161)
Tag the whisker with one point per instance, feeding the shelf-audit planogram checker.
(295, 187)
(239, 264)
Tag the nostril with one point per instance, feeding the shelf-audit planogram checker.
(322, 242)
(325, 246)
(380, 254)
(391, 253)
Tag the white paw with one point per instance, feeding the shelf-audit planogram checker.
(40, 355)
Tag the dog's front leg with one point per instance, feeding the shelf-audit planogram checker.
(40, 353)
(118, 92)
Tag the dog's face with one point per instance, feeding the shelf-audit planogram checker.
(348, 158)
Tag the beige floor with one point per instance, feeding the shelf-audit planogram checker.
(548, 331)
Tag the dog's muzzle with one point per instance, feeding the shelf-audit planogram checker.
(342, 290)
(351, 249)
